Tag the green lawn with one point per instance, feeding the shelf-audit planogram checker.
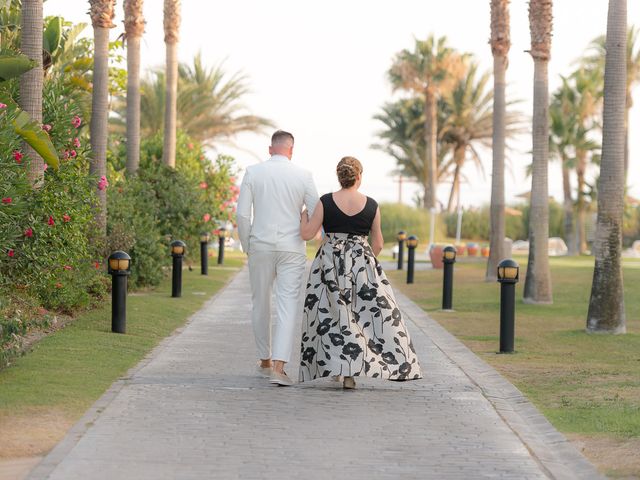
(67, 371)
(587, 385)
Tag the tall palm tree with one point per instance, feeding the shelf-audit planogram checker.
(430, 70)
(134, 28)
(31, 81)
(596, 61)
(171, 29)
(537, 287)
(500, 44)
(606, 305)
(101, 13)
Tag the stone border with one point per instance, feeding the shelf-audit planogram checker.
(50, 461)
(557, 457)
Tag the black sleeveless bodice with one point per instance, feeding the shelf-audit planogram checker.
(336, 221)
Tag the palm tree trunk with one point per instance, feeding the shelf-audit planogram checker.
(606, 306)
(31, 81)
(537, 286)
(629, 104)
(133, 104)
(497, 222)
(567, 205)
(431, 165)
(170, 112)
(581, 169)
(99, 121)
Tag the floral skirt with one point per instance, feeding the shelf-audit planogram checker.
(351, 324)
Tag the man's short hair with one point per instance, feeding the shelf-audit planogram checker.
(282, 138)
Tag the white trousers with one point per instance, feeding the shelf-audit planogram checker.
(286, 271)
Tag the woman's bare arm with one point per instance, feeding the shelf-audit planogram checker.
(377, 242)
(309, 226)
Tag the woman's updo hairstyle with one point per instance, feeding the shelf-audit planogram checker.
(348, 170)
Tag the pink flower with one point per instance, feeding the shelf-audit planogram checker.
(3, 105)
(76, 142)
(68, 267)
(66, 218)
(190, 146)
(44, 167)
(51, 222)
(203, 185)
(76, 122)
(206, 217)
(11, 253)
(46, 127)
(17, 156)
(7, 200)
(65, 154)
(73, 153)
(28, 233)
(232, 179)
(103, 183)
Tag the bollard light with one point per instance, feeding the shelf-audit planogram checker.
(177, 252)
(222, 237)
(204, 253)
(402, 236)
(448, 258)
(508, 275)
(119, 267)
(412, 243)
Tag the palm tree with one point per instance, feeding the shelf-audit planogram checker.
(209, 104)
(171, 29)
(537, 287)
(32, 80)
(102, 13)
(606, 305)
(430, 70)
(596, 62)
(500, 44)
(134, 28)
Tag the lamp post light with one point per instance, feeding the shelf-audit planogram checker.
(204, 253)
(119, 267)
(508, 274)
(448, 258)
(222, 236)
(412, 243)
(402, 236)
(177, 252)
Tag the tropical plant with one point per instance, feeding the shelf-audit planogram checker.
(134, 28)
(537, 287)
(429, 70)
(31, 80)
(606, 305)
(102, 13)
(171, 30)
(500, 45)
(596, 61)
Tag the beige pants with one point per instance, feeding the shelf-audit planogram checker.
(285, 270)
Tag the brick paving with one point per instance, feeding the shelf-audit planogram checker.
(194, 409)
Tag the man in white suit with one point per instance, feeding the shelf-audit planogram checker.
(276, 191)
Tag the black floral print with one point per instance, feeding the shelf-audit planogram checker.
(352, 325)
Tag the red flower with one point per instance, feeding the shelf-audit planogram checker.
(28, 233)
(96, 265)
(58, 285)
(206, 217)
(7, 200)
(203, 185)
(73, 153)
(51, 222)
(190, 146)
(76, 142)
(11, 253)
(17, 156)
(46, 127)
(76, 122)
(68, 267)
(66, 218)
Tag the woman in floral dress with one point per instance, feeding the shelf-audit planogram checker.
(351, 325)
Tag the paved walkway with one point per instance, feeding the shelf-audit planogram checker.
(195, 410)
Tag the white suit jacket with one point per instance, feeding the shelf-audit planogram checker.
(276, 190)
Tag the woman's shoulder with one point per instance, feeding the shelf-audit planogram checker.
(371, 203)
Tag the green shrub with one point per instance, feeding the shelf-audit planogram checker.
(414, 221)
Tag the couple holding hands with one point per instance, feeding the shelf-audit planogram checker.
(351, 324)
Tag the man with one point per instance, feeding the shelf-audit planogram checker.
(276, 190)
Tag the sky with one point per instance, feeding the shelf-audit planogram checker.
(318, 69)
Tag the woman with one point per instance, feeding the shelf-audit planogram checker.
(351, 325)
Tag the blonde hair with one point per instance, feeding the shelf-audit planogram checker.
(348, 170)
